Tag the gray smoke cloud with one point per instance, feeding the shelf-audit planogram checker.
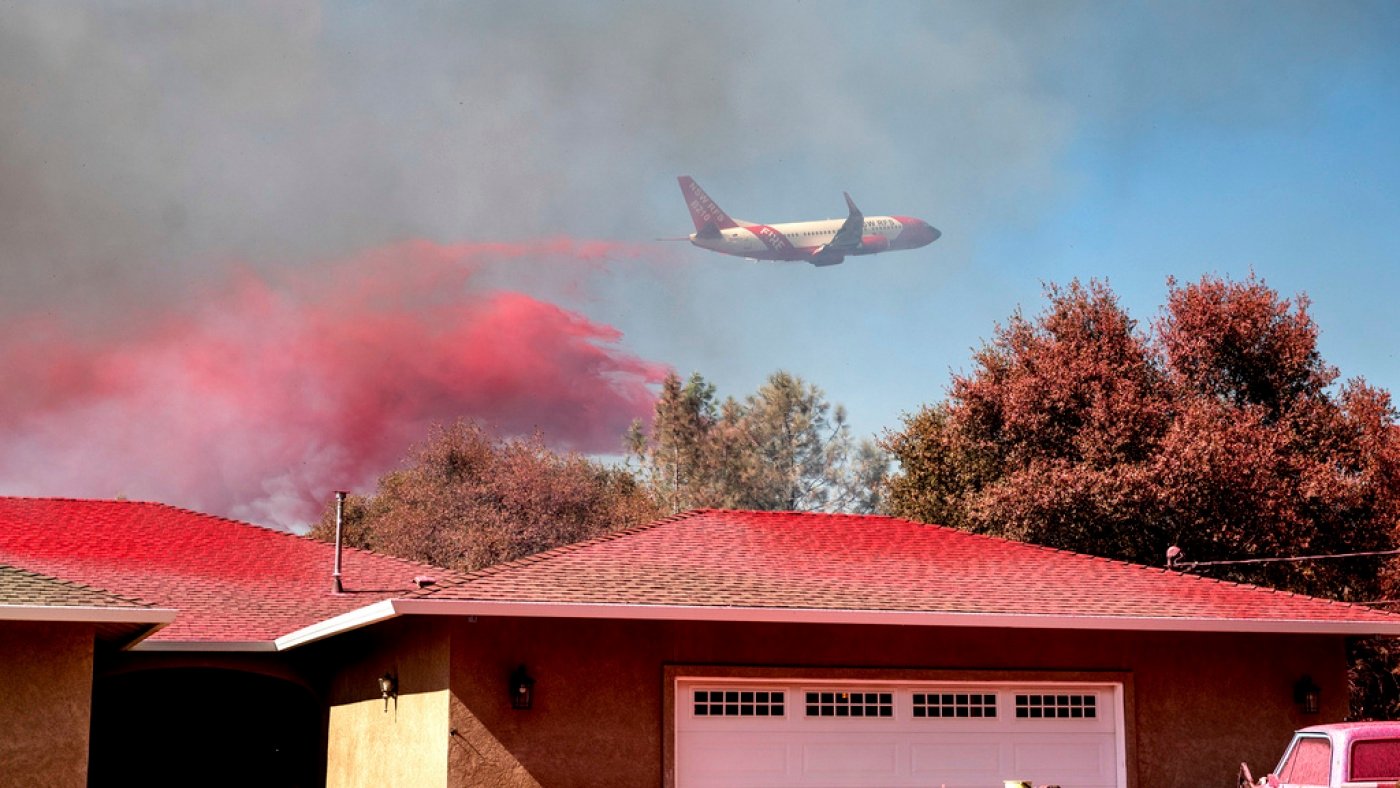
(143, 145)
(148, 150)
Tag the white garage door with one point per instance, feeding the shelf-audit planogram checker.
(735, 733)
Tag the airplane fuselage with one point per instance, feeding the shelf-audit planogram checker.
(823, 242)
(800, 240)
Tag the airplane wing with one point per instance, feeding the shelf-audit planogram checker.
(846, 240)
(848, 237)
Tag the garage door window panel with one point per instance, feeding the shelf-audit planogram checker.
(954, 705)
(849, 703)
(739, 703)
(1058, 706)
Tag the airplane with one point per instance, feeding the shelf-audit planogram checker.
(821, 243)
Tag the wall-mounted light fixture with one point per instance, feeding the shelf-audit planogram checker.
(522, 689)
(389, 688)
(1307, 695)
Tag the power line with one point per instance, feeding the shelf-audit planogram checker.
(1187, 565)
(1279, 560)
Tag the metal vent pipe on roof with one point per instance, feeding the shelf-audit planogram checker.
(339, 522)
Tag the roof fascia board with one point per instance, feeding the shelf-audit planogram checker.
(889, 617)
(360, 617)
(391, 608)
(79, 614)
(204, 645)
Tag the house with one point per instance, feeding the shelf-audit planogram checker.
(711, 648)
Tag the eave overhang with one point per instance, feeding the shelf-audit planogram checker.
(392, 608)
(92, 615)
(206, 646)
(122, 627)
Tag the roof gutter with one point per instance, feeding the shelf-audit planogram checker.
(91, 615)
(206, 646)
(392, 608)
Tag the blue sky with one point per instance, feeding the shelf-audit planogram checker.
(147, 150)
(1152, 141)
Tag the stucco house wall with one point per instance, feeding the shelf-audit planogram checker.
(1197, 703)
(401, 742)
(46, 706)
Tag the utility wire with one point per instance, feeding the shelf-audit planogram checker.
(1288, 559)
(1188, 565)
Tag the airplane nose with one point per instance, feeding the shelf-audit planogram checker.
(917, 232)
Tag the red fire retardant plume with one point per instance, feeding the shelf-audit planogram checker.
(259, 398)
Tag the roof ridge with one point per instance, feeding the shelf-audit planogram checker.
(804, 513)
(544, 555)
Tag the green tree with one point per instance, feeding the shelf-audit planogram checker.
(465, 500)
(783, 447)
(679, 456)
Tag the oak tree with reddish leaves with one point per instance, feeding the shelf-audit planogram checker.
(1220, 430)
(466, 499)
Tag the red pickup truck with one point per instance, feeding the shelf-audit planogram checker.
(1341, 755)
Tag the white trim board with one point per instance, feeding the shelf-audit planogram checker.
(81, 614)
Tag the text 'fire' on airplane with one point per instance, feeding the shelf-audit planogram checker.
(823, 242)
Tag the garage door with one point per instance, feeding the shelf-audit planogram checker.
(802, 733)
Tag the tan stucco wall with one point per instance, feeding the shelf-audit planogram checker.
(406, 745)
(1199, 703)
(46, 706)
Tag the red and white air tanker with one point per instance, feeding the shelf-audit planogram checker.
(822, 242)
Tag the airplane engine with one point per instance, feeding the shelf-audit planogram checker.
(874, 243)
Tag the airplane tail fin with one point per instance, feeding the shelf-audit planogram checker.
(709, 218)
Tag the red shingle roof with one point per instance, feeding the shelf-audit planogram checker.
(805, 561)
(230, 581)
(237, 583)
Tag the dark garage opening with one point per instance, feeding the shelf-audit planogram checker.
(195, 726)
